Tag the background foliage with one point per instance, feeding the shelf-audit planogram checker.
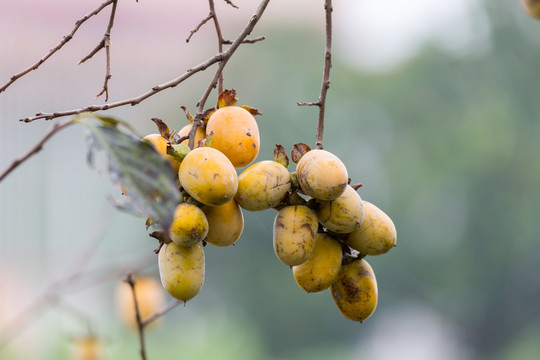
(447, 146)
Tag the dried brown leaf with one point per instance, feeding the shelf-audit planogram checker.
(299, 150)
(251, 110)
(227, 98)
(280, 156)
(162, 128)
(188, 115)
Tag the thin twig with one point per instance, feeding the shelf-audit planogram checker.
(321, 103)
(231, 3)
(159, 314)
(108, 75)
(64, 40)
(246, 41)
(204, 21)
(106, 37)
(170, 84)
(140, 326)
(227, 54)
(133, 101)
(56, 128)
(56, 290)
(198, 118)
(106, 42)
(52, 295)
(220, 40)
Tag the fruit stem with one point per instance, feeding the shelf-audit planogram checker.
(321, 103)
(326, 76)
(178, 151)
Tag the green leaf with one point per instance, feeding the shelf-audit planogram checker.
(148, 179)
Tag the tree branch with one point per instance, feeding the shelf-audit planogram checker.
(64, 40)
(204, 21)
(228, 53)
(56, 128)
(321, 103)
(105, 43)
(140, 327)
(170, 84)
(53, 293)
(220, 40)
(246, 41)
(133, 101)
(225, 57)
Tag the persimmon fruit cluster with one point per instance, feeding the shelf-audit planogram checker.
(322, 229)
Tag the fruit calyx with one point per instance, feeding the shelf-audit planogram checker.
(163, 129)
(299, 150)
(280, 156)
(178, 151)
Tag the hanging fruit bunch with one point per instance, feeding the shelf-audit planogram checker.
(322, 230)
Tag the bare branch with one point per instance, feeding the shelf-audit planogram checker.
(308, 103)
(225, 57)
(140, 327)
(56, 128)
(107, 74)
(170, 84)
(321, 103)
(204, 21)
(220, 41)
(133, 101)
(74, 281)
(64, 40)
(227, 54)
(246, 41)
(104, 43)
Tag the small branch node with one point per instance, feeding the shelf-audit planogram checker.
(316, 103)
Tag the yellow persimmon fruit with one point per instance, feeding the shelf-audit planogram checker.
(181, 270)
(235, 133)
(262, 185)
(355, 290)
(150, 299)
(208, 176)
(189, 225)
(87, 348)
(532, 7)
(343, 214)
(160, 145)
(295, 227)
(199, 135)
(321, 269)
(226, 223)
(377, 233)
(321, 175)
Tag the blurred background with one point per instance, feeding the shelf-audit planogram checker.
(433, 106)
